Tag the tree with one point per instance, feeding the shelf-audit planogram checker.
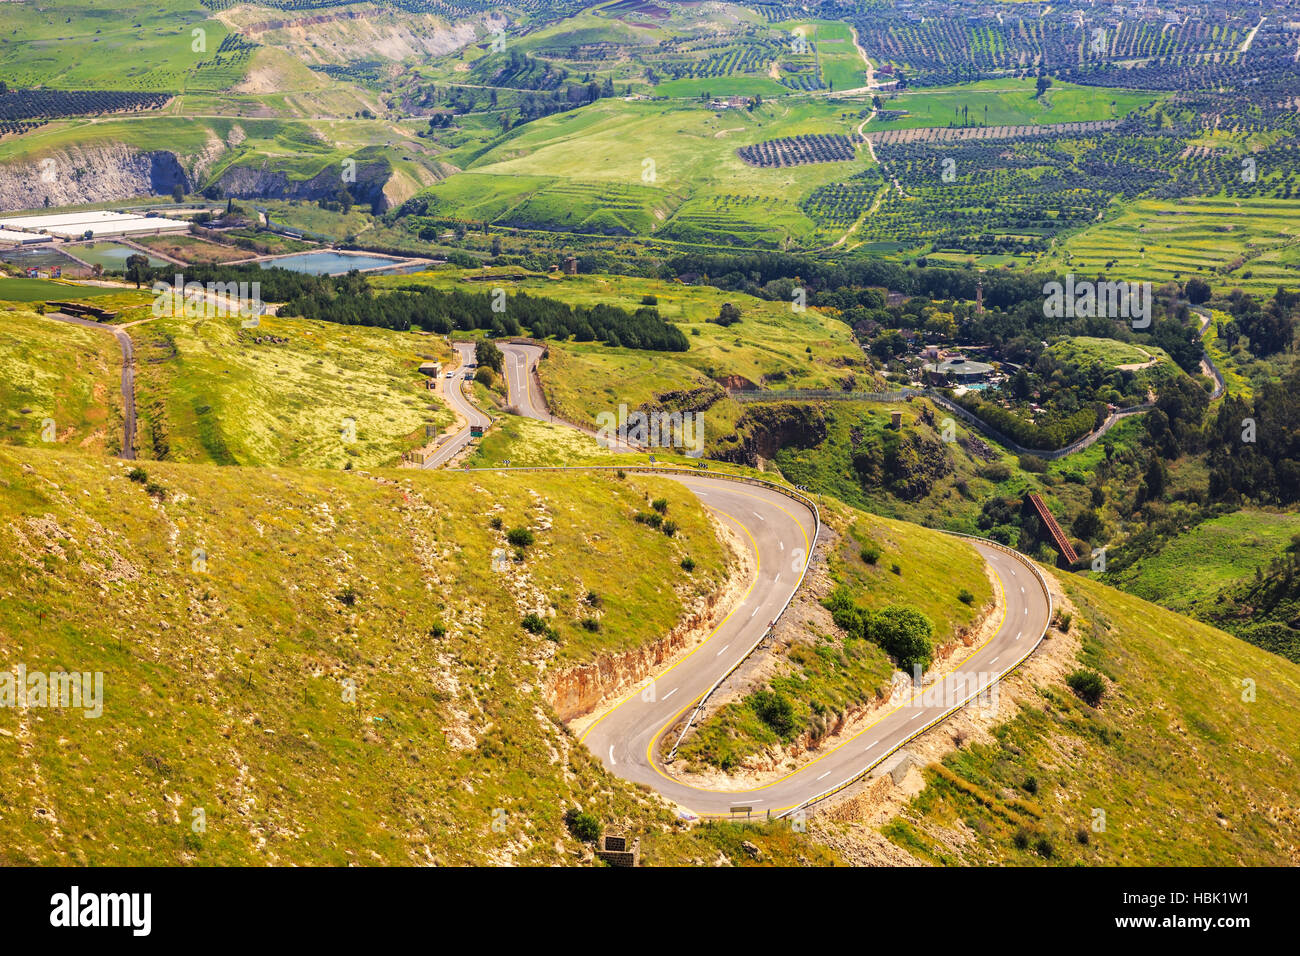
(728, 315)
(1042, 85)
(1197, 290)
(137, 268)
(178, 193)
(487, 354)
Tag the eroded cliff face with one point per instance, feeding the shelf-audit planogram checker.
(765, 429)
(264, 182)
(579, 690)
(79, 175)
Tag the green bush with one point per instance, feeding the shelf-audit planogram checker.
(590, 624)
(965, 596)
(688, 565)
(520, 537)
(660, 505)
(1022, 839)
(534, 623)
(670, 528)
(870, 554)
(1088, 686)
(584, 826)
(775, 710)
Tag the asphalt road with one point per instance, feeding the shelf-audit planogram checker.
(456, 399)
(128, 376)
(629, 737)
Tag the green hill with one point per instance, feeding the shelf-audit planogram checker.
(1191, 756)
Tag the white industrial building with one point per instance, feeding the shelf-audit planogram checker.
(99, 222)
(22, 238)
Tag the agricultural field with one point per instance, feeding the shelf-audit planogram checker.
(1008, 102)
(658, 159)
(1246, 243)
(192, 250)
(288, 392)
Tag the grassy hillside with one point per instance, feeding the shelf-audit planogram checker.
(824, 673)
(325, 664)
(208, 391)
(53, 370)
(1187, 766)
(697, 186)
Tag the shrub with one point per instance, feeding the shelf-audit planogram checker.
(897, 569)
(584, 826)
(1087, 685)
(520, 537)
(1043, 847)
(1031, 784)
(965, 596)
(905, 633)
(688, 565)
(496, 522)
(534, 623)
(1081, 835)
(660, 505)
(775, 710)
(590, 624)
(437, 630)
(651, 518)
(1021, 839)
(138, 475)
(594, 599)
(870, 554)
(670, 528)
(348, 596)
(1063, 621)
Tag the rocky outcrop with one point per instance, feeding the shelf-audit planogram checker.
(79, 175)
(765, 429)
(264, 182)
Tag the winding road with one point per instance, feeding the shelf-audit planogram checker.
(630, 737)
(455, 396)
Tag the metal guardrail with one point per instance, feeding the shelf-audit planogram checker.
(1051, 612)
(704, 699)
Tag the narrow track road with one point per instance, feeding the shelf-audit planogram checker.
(128, 376)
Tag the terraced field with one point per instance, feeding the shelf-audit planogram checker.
(1250, 243)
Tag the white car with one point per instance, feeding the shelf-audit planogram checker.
(451, 374)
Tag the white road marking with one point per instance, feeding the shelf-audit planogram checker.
(777, 579)
(1018, 636)
(719, 654)
(996, 659)
(670, 693)
(921, 713)
(825, 775)
(1022, 589)
(759, 516)
(753, 612)
(782, 544)
(1013, 571)
(611, 754)
(1026, 610)
(872, 744)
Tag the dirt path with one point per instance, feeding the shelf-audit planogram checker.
(128, 376)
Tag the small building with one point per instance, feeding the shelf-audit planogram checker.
(571, 265)
(22, 238)
(617, 850)
(958, 369)
(431, 369)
